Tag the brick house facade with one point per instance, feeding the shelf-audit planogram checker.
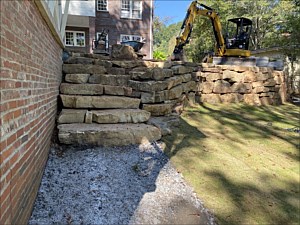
(31, 72)
(123, 19)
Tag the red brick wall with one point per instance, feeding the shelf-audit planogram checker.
(112, 21)
(30, 76)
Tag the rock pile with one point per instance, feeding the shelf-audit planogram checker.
(234, 84)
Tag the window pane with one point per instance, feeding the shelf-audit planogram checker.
(125, 5)
(102, 5)
(136, 14)
(80, 39)
(69, 38)
(137, 5)
(125, 13)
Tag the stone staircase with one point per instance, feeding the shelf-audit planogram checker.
(108, 102)
(99, 108)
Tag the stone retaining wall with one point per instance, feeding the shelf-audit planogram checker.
(161, 86)
(164, 86)
(234, 84)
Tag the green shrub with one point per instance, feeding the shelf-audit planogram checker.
(159, 55)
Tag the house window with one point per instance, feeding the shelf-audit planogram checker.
(75, 38)
(101, 5)
(128, 37)
(131, 9)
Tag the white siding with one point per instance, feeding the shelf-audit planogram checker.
(82, 7)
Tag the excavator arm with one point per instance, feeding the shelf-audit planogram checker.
(195, 9)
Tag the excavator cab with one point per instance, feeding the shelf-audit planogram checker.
(238, 33)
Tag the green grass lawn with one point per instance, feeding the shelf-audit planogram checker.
(242, 161)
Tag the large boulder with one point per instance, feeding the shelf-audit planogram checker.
(231, 98)
(210, 77)
(164, 123)
(158, 109)
(81, 89)
(206, 87)
(222, 87)
(99, 102)
(154, 97)
(83, 69)
(109, 79)
(107, 134)
(180, 69)
(71, 116)
(79, 60)
(148, 85)
(233, 76)
(210, 98)
(121, 116)
(252, 99)
(117, 90)
(77, 78)
(123, 52)
(249, 76)
(241, 88)
(155, 73)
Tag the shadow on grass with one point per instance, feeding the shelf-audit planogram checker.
(256, 122)
(264, 204)
(271, 199)
(184, 136)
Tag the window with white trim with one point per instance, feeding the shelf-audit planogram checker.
(102, 5)
(75, 38)
(128, 37)
(131, 9)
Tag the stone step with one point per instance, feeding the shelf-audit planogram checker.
(94, 89)
(107, 134)
(72, 116)
(83, 69)
(99, 102)
(109, 79)
(121, 116)
(103, 116)
(81, 89)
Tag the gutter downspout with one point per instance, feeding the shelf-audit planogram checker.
(151, 29)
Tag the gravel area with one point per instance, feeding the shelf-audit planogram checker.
(123, 185)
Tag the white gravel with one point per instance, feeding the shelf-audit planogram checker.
(123, 185)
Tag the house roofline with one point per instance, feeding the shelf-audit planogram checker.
(50, 20)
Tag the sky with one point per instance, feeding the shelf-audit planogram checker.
(175, 9)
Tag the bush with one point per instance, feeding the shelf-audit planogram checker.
(159, 55)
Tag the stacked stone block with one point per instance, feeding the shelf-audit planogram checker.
(99, 107)
(234, 84)
(113, 99)
(161, 89)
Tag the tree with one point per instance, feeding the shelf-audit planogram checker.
(164, 34)
(269, 19)
(291, 30)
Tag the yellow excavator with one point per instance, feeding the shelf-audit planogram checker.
(235, 43)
